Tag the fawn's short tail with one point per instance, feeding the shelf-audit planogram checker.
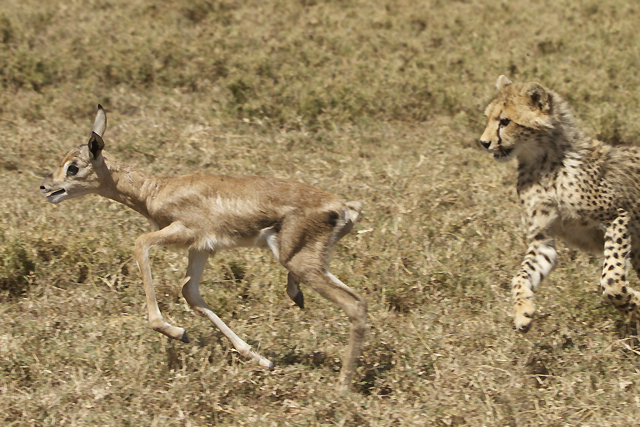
(354, 209)
(351, 215)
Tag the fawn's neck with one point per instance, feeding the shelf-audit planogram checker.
(129, 186)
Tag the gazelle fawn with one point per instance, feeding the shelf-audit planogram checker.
(208, 213)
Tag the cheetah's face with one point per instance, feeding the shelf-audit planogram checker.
(518, 114)
(501, 135)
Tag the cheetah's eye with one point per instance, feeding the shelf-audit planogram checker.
(72, 170)
(504, 122)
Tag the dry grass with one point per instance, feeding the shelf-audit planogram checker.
(378, 102)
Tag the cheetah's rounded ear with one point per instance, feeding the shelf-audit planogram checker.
(539, 96)
(503, 82)
(539, 101)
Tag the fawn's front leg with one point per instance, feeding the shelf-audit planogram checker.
(191, 292)
(174, 234)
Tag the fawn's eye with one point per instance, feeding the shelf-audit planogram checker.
(504, 122)
(72, 170)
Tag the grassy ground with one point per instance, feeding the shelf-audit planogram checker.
(375, 101)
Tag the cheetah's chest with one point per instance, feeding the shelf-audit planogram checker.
(580, 210)
(581, 195)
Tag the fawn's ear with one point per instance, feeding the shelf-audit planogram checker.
(96, 144)
(503, 82)
(100, 124)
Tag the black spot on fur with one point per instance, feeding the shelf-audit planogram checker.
(332, 218)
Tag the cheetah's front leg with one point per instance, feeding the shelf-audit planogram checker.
(538, 263)
(617, 252)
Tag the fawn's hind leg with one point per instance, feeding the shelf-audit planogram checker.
(306, 265)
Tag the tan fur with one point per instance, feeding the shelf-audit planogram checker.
(207, 213)
(570, 186)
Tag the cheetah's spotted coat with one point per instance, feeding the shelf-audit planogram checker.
(571, 186)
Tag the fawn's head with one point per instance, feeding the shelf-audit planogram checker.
(79, 171)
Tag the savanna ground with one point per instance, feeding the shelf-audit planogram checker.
(377, 101)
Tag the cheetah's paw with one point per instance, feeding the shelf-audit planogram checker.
(523, 315)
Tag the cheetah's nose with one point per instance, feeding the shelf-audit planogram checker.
(485, 144)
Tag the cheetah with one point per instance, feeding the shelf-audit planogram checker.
(572, 187)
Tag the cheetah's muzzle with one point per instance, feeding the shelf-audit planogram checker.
(503, 154)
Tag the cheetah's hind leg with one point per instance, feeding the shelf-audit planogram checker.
(617, 254)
